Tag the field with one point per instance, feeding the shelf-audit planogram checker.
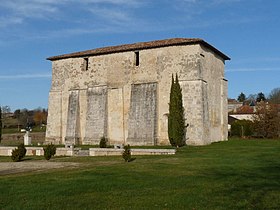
(237, 174)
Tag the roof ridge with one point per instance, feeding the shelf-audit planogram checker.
(139, 46)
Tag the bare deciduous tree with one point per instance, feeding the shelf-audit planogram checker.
(267, 120)
(274, 96)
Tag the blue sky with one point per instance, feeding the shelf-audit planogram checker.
(248, 31)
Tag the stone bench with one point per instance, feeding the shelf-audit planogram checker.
(6, 151)
(60, 151)
(38, 151)
(30, 151)
(118, 152)
(153, 151)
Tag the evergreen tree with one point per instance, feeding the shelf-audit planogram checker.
(241, 97)
(260, 97)
(171, 116)
(176, 121)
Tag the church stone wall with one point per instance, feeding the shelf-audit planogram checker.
(73, 118)
(201, 75)
(96, 117)
(54, 127)
(213, 72)
(143, 115)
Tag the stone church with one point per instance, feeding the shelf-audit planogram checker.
(122, 93)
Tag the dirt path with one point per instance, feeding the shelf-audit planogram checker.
(28, 166)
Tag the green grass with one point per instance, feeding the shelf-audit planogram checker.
(16, 130)
(238, 174)
(10, 130)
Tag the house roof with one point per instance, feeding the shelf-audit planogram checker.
(234, 101)
(140, 46)
(231, 119)
(245, 109)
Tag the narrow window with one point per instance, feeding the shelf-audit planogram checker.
(137, 58)
(85, 64)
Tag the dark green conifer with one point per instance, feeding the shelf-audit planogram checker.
(176, 120)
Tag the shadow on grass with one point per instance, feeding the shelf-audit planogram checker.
(250, 188)
(131, 159)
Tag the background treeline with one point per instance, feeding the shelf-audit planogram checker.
(273, 97)
(265, 119)
(23, 118)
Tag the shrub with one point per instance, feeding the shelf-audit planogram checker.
(49, 151)
(126, 153)
(266, 120)
(103, 142)
(15, 155)
(242, 128)
(22, 150)
(19, 153)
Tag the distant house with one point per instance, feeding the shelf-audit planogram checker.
(233, 105)
(244, 112)
(249, 112)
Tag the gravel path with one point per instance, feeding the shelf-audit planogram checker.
(28, 166)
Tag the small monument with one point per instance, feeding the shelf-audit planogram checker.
(27, 138)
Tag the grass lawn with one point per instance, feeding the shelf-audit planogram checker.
(238, 174)
(16, 130)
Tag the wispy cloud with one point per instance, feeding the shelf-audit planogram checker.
(251, 69)
(58, 19)
(29, 9)
(225, 1)
(111, 14)
(200, 11)
(47, 8)
(115, 2)
(25, 76)
(6, 21)
(209, 2)
(254, 60)
(103, 14)
(190, 1)
(106, 16)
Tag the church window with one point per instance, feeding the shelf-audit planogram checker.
(85, 64)
(136, 58)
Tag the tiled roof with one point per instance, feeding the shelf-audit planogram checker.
(245, 109)
(233, 101)
(230, 100)
(140, 46)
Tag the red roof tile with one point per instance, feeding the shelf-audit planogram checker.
(245, 109)
(140, 46)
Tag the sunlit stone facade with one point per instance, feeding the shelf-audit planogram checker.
(122, 93)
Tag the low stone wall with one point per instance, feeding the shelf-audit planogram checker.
(19, 137)
(64, 151)
(105, 152)
(6, 151)
(60, 151)
(153, 151)
(118, 152)
(36, 151)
